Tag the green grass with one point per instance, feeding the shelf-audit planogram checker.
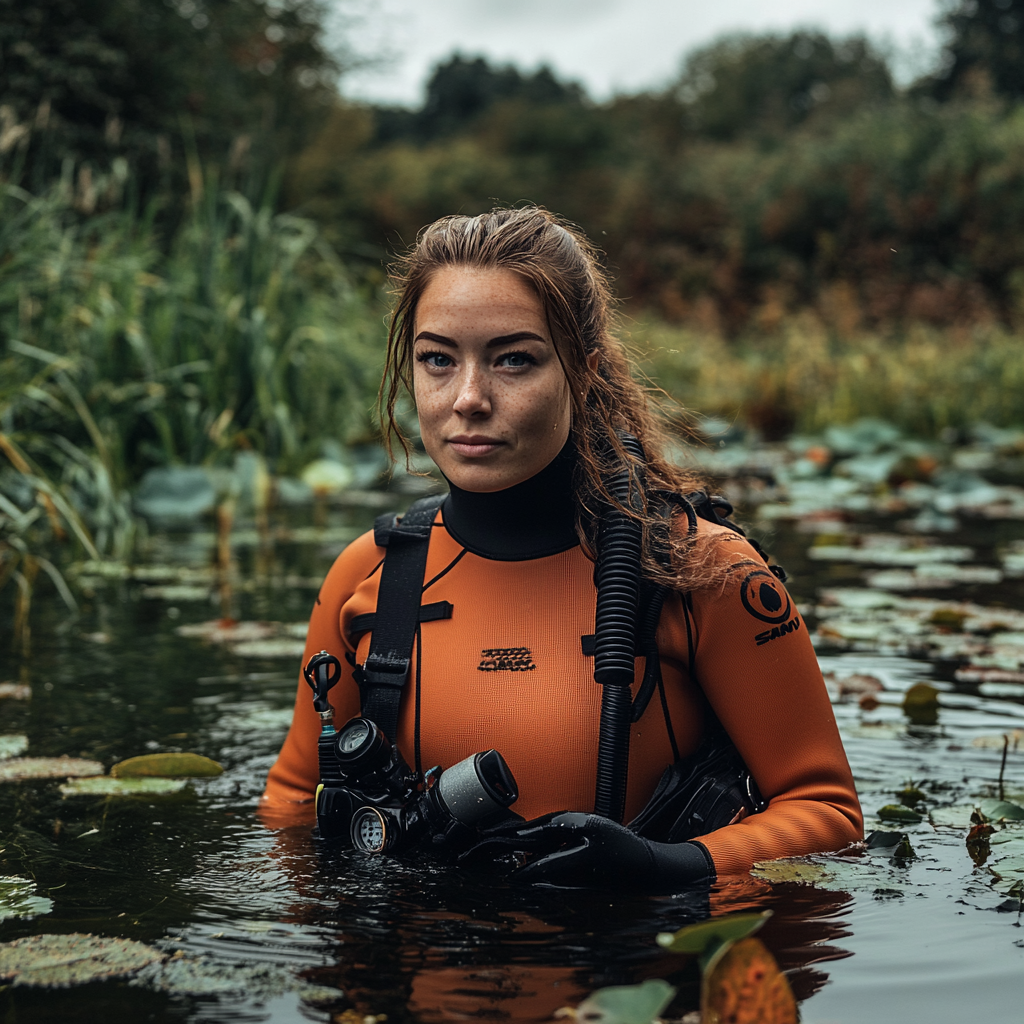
(804, 377)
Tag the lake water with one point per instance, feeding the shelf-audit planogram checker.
(264, 922)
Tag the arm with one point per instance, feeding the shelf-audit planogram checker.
(755, 664)
(295, 775)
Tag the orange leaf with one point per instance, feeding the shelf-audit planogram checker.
(747, 987)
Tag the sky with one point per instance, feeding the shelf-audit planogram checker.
(610, 46)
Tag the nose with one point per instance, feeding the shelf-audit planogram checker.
(473, 400)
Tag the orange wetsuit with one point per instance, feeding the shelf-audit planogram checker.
(507, 671)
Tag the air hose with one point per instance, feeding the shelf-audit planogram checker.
(617, 577)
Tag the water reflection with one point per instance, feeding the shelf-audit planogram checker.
(202, 875)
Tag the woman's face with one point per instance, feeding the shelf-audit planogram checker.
(491, 395)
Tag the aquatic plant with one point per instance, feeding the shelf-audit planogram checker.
(807, 376)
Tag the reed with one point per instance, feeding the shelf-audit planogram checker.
(804, 377)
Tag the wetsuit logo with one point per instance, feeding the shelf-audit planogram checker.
(764, 598)
(506, 659)
(773, 634)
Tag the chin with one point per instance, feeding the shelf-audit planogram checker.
(483, 479)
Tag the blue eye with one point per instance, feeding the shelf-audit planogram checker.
(437, 359)
(516, 360)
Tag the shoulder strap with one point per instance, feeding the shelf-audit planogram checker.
(398, 611)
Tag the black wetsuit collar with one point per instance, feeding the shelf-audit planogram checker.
(531, 520)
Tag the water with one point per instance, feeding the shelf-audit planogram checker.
(266, 913)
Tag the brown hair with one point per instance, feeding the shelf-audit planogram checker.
(562, 266)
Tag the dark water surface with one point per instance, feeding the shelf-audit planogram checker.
(869, 940)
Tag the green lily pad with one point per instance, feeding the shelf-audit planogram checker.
(104, 785)
(60, 961)
(1001, 810)
(627, 1004)
(784, 870)
(14, 769)
(166, 766)
(695, 938)
(18, 899)
(897, 812)
(191, 976)
(12, 746)
(958, 816)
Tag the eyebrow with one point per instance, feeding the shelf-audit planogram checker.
(504, 339)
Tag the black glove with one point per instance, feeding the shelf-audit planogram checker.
(577, 850)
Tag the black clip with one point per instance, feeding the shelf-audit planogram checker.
(322, 671)
(385, 670)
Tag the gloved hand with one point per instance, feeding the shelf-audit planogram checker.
(577, 850)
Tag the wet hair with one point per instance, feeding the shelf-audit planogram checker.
(562, 266)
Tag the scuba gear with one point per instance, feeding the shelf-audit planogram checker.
(617, 578)
(369, 795)
(379, 804)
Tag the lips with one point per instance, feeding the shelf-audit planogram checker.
(473, 446)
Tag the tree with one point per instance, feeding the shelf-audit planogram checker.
(766, 85)
(985, 49)
(462, 89)
(99, 77)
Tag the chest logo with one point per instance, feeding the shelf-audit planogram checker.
(506, 659)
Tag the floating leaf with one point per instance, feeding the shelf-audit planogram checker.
(60, 961)
(903, 854)
(1001, 810)
(626, 1004)
(747, 987)
(958, 816)
(105, 785)
(167, 766)
(881, 839)
(978, 843)
(18, 899)
(897, 812)
(15, 769)
(697, 938)
(260, 982)
(281, 647)
(784, 870)
(12, 746)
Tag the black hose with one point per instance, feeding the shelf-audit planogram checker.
(617, 577)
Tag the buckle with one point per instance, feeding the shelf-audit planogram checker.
(385, 670)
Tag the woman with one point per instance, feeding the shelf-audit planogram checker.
(501, 332)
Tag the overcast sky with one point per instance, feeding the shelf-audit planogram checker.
(608, 45)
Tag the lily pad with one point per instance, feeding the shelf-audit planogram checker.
(785, 870)
(12, 746)
(958, 816)
(18, 899)
(193, 976)
(167, 766)
(897, 812)
(280, 647)
(15, 769)
(626, 1004)
(696, 938)
(1001, 810)
(60, 961)
(105, 785)
(747, 985)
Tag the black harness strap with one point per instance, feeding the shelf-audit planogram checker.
(398, 611)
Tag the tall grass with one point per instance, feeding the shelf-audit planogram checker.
(121, 350)
(804, 377)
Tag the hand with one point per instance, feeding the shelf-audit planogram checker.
(595, 852)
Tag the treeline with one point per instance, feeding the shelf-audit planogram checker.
(778, 173)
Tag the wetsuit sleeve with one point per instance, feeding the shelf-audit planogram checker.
(756, 665)
(295, 774)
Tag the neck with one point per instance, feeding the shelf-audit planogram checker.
(530, 520)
